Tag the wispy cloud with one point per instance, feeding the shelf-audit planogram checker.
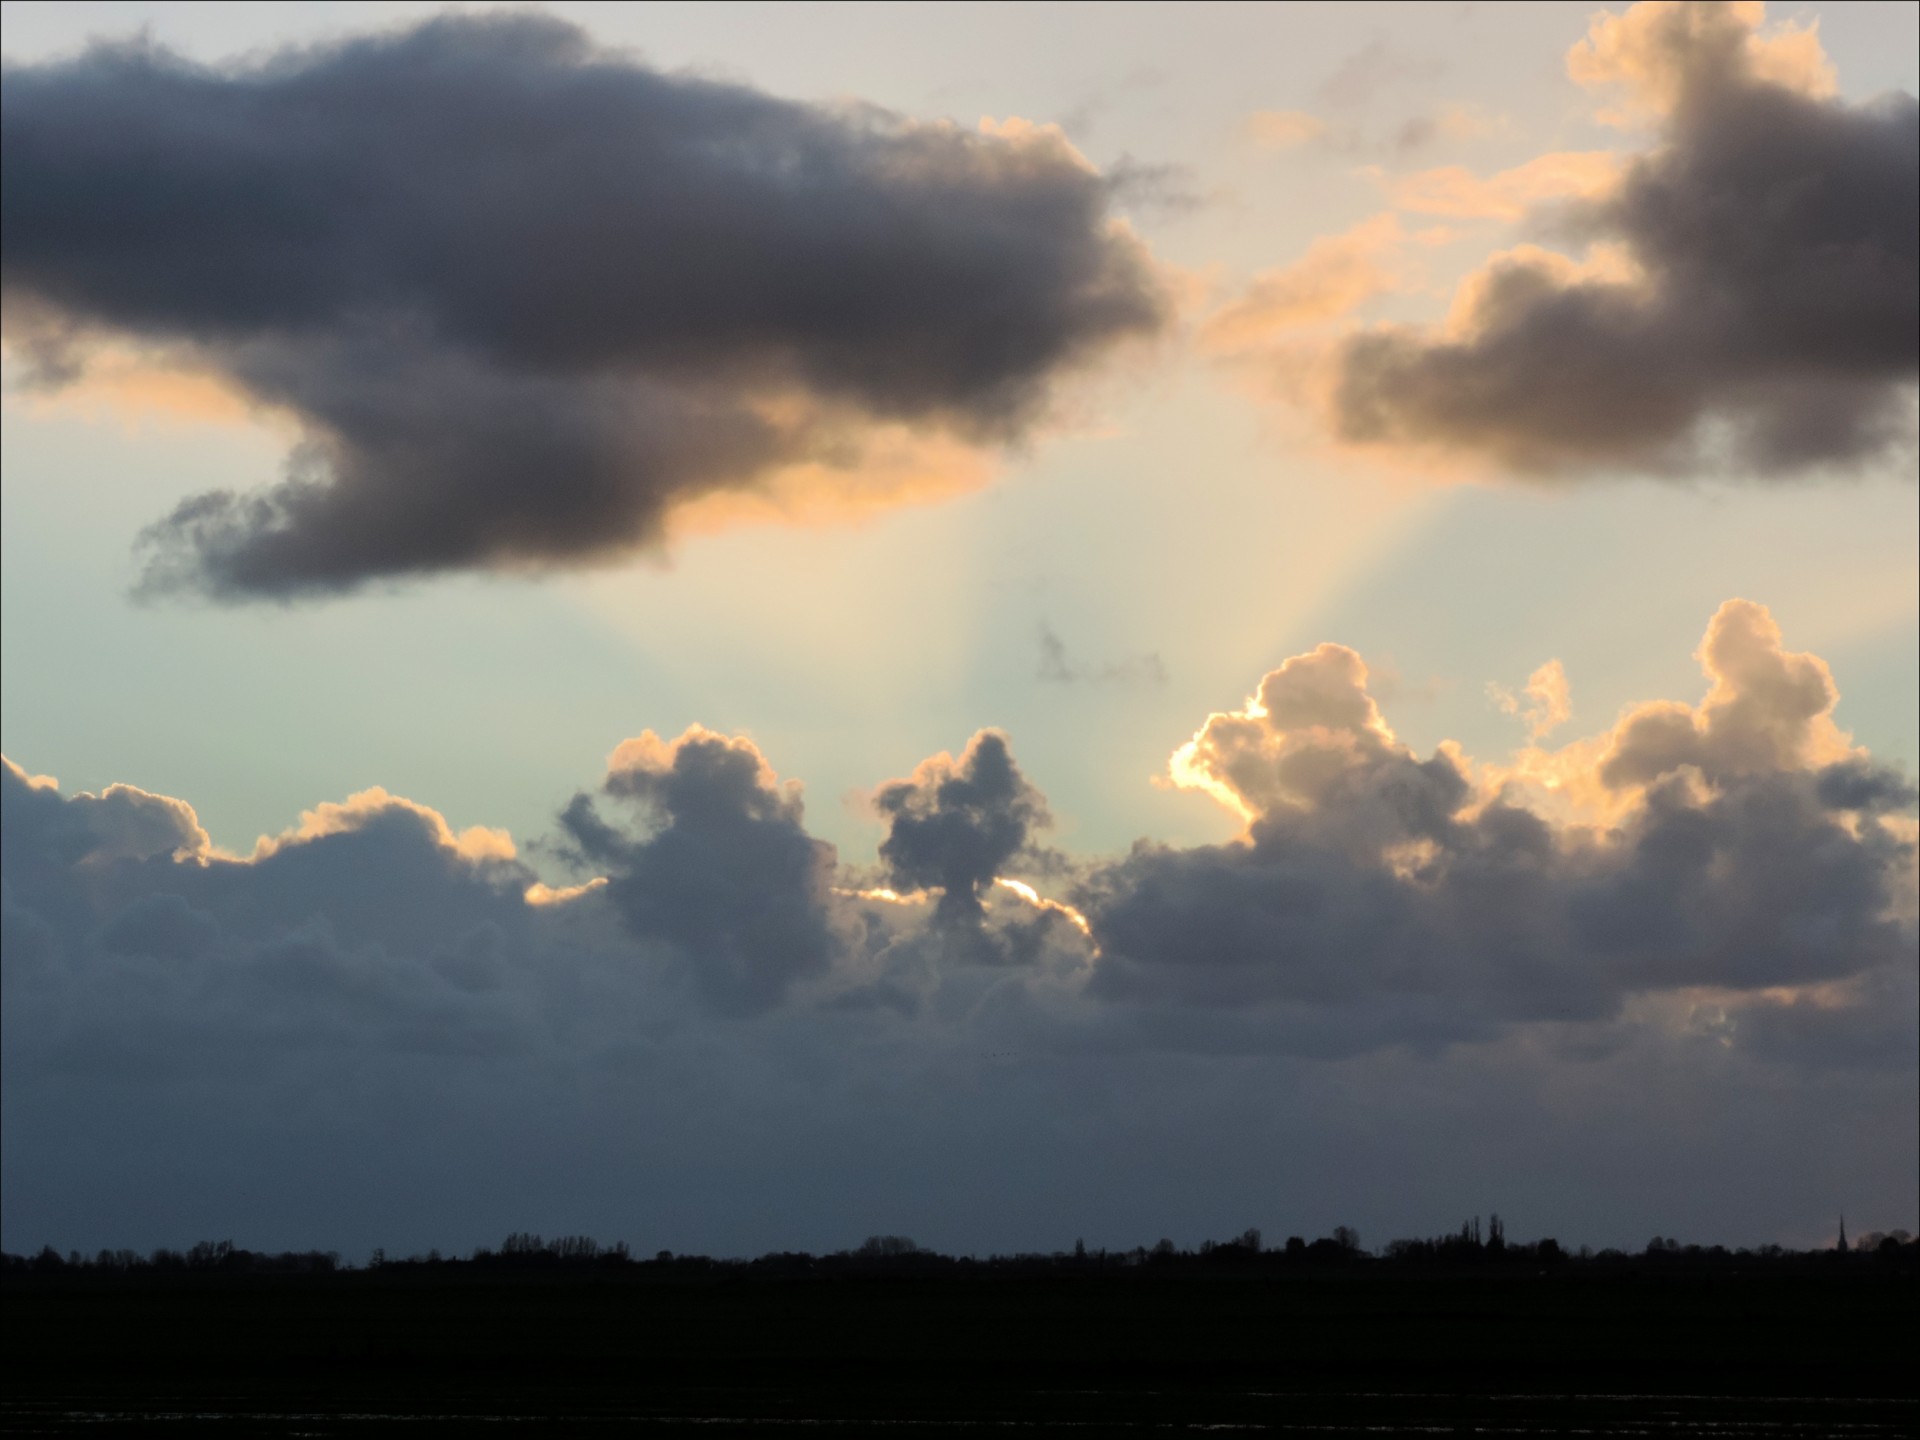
(1057, 666)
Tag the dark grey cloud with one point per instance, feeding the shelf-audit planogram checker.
(1875, 1034)
(720, 867)
(955, 825)
(1773, 327)
(1860, 784)
(148, 954)
(1496, 922)
(524, 295)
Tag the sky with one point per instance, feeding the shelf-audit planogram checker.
(695, 624)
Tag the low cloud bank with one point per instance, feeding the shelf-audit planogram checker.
(1740, 852)
(1723, 890)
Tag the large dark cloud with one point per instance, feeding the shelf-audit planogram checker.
(524, 295)
(1772, 324)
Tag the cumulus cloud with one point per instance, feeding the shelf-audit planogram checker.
(1656, 53)
(524, 297)
(152, 954)
(1769, 710)
(954, 825)
(1742, 846)
(1757, 302)
(720, 866)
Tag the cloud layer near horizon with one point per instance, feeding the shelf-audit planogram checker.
(524, 296)
(1720, 895)
(1740, 853)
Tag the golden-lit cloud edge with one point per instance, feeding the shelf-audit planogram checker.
(696, 850)
(1407, 399)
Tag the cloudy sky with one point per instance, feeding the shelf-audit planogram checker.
(702, 626)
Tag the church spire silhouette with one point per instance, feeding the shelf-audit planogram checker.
(1841, 1246)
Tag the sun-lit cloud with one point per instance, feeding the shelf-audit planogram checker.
(1053, 907)
(476, 843)
(126, 387)
(121, 822)
(1660, 52)
(1046, 136)
(1309, 722)
(1741, 845)
(541, 893)
(1457, 192)
(886, 895)
(1284, 129)
(1744, 300)
(1551, 700)
(1454, 122)
(1766, 319)
(31, 782)
(1336, 276)
(862, 473)
(1767, 710)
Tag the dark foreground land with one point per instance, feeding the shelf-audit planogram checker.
(1633, 1348)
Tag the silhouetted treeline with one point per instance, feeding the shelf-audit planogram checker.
(1468, 1248)
(1230, 1332)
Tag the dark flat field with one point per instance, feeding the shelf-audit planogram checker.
(1625, 1352)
